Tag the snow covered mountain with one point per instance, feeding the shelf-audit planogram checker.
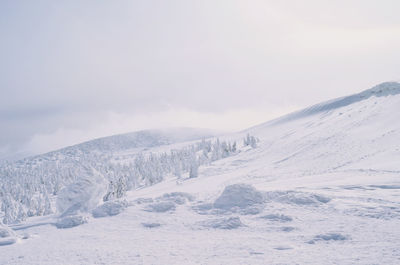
(318, 186)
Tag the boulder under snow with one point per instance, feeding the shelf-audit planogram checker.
(109, 208)
(238, 195)
(70, 221)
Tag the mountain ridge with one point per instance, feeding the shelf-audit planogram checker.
(381, 90)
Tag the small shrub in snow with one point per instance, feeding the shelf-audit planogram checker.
(109, 208)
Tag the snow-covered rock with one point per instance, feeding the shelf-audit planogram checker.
(109, 208)
(70, 221)
(238, 195)
(160, 207)
(224, 223)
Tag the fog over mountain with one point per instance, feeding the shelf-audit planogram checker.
(72, 71)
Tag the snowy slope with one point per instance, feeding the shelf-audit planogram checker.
(321, 187)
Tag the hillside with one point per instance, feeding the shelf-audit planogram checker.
(318, 186)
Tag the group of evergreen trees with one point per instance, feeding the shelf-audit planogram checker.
(28, 187)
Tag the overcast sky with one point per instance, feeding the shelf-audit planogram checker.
(75, 70)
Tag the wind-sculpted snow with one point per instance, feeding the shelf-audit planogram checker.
(81, 196)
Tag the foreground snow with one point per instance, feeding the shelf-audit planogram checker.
(320, 189)
(333, 223)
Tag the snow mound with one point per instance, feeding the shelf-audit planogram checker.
(177, 197)
(109, 208)
(328, 237)
(238, 195)
(225, 223)
(7, 236)
(70, 221)
(277, 217)
(160, 207)
(151, 225)
(299, 198)
(81, 196)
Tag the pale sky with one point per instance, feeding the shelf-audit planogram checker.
(71, 71)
